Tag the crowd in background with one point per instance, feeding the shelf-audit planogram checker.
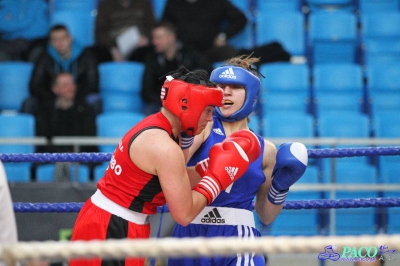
(64, 85)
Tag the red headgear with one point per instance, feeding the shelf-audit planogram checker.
(187, 101)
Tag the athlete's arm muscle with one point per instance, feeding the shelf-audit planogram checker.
(156, 153)
(267, 211)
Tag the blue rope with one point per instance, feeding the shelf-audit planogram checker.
(288, 205)
(103, 157)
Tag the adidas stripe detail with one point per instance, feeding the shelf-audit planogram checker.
(204, 164)
(211, 186)
(277, 197)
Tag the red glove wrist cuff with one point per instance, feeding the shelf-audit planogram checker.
(209, 188)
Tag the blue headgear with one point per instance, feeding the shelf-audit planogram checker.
(240, 76)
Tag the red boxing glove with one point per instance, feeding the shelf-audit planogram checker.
(227, 163)
(248, 141)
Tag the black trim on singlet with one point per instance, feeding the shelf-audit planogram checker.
(147, 193)
(153, 187)
(176, 139)
(117, 229)
(140, 131)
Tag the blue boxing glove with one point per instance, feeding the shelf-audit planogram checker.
(186, 141)
(291, 163)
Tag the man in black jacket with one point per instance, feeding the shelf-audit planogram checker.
(64, 55)
(206, 25)
(65, 115)
(167, 55)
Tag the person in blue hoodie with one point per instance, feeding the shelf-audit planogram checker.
(63, 54)
(23, 24)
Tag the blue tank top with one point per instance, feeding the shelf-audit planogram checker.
(244, 189)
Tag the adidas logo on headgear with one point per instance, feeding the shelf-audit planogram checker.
(213, 217)
(228, 74)
(232, 171)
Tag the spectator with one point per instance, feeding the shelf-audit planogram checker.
(63, 55)
(208, 25)
(121, 27)
(65, 115)
(23, 26)
(166, 55)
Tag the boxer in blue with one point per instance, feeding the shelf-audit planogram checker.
(267, 179)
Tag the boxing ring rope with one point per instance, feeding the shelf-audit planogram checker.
(288, 205)
(172, 247)
(102, 156)
(189, 247)
(312, 153)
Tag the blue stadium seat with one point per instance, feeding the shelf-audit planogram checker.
(386, 124)
(310, 176)
(306, 221)
(330, 5)
(288, 29)
(383, 83)
(288, 125)
(380, 25)
(121, 76)
(115, 125)
(332, 37)
(17, 126)
(393, 224)
(255, 123)
(278, 5)
(372, 6)
(79, 23)
(63, 5)
(381, 51)
(343, 124)
(286, 87)
(158, 8)
(245, 38)
(121, 102)
(355, 173)
(14, 84)
(380, 37)
(284, 76)
(45, 173)
(362, 219)
(338, 87)
(390, 169)
(120, 85)
(382, 102)
(18, 172)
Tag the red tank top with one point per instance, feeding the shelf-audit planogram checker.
(126, 184)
